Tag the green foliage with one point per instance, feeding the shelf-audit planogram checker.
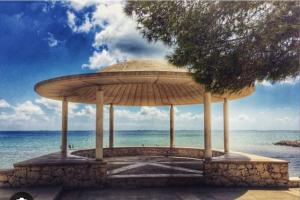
(228, 45)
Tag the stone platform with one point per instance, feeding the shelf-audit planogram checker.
(148, 167)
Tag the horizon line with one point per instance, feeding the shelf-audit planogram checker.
(167, 130)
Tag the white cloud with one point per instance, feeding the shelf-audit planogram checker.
(4, 104)
(153, 112)
(28, 108)
(155, 118)
(102, 59)
(243, 117)
(74, 109)
(263, 118)
(85, 27)
(115, 24)
(188, 116)
(45, 114)
(87, 111)
(71, 20)
(49, 104)
(80, 4)
(283, 119)
(290, 81)
(117, 32)
(23, 111)
(265, 83)
(52, 42)
(145, 113)
(287, 81)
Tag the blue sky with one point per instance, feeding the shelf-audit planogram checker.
(41, 40)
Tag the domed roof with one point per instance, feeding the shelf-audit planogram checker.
(144, 65)
(133, 83)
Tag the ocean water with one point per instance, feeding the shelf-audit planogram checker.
(17, 146)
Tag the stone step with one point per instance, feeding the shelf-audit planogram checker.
(154, 180)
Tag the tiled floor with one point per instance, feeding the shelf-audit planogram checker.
(139, 165)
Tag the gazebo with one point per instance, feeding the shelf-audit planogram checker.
(136, 83)
(143, 83)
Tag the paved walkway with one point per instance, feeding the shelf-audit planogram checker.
(191, 193)
(172, 193)
(38, 193)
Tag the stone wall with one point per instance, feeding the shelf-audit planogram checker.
(147, 151)
(78, 175)
(257, 174)
(294, 182)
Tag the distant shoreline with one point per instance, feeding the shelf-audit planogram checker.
(291, 130)
(291, 143)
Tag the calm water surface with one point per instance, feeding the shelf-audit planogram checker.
(16, 146)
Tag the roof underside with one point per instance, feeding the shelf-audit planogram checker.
(128, 84)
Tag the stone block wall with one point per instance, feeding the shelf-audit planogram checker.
(76, 175)
(294, 182)
(257, 174)
(5, 175)
(147, 151)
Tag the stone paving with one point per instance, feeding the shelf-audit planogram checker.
(182, 193)
(170, 193)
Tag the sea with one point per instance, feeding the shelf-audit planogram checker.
(17, 146)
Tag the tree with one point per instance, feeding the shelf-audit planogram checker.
(228, 45)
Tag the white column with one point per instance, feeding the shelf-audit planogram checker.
(99, 124)
(207, 126)
(226, 126)
(64, 127)
(111, 126)
(171, 126)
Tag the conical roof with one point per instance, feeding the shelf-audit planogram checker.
(133, 83)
